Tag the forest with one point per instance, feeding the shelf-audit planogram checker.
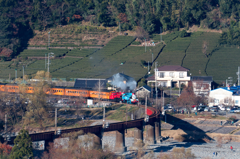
(19, 18)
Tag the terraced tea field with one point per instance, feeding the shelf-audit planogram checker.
(119, 56)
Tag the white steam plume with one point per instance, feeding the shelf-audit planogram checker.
(118, 81)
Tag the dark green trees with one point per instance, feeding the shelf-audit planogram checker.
(22, 146)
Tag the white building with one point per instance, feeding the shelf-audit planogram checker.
(170, 76)
(225, 96)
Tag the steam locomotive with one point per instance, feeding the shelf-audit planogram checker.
(66, 91)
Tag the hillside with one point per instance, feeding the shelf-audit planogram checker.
(119, 55)
(80, 23)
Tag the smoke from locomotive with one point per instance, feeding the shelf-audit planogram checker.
(118, 81)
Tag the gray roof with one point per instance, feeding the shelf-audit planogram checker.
(172, 68)
(151, 78)
(89, 83)
(202, 78)
(146, 87)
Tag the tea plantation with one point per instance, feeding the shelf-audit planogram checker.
(199, 52)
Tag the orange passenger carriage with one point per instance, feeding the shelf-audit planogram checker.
(29, 90)
(57, 91)
(64, 91)
(11, 88)
(76, 92)
(2, 88)
(102, 94)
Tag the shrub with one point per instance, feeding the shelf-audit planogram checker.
(183, 34)
(232, 118)
(136, 43)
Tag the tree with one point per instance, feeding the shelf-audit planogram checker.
(187, 98)
(5, 31)
(22, 146)
(99, 87)
(37, 108)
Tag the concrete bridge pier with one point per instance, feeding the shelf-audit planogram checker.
(150, 139)
(98, 141)
(120, 142)
(157, 131)
(138, 136)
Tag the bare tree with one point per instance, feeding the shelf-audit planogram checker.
(99, 87)
(79, 104)
(141, 33)
(37, 108)
(187, 98)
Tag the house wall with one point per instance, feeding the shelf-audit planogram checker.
(172, 76)
(201, 87)
(236, 100)
(142, 94)
(217, 96)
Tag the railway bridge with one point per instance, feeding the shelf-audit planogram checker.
(152, 126)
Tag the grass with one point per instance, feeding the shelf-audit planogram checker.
(187, 51)
(223, 64)
(195, 59)
(81, 52)
(167, 38)
(120, 113)
(41, 53)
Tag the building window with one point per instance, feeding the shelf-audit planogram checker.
(170, 74)
(161, 74)
(181, 75)
(236, 102)
(216, 101)
(163, 84)
(225, 100)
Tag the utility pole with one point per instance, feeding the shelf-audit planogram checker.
(45, 60)
(238, 75)
(148, 67)
(48, 62)
(126, 118)
(145, 44)
(179, 86)
(156, 82)
(15, 74)
(55, 120)
(49, 55)
(104, 116)
(5, 129)
(170, 91)
(146, 108)
(152, 57)
(119, 27)
(163, 99)
(161, 33)
(23, 73)
(49, 39)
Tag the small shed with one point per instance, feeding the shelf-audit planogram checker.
(143, 91)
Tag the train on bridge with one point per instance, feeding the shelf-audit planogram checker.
(68, 91)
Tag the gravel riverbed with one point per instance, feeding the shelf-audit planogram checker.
(201, 150)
